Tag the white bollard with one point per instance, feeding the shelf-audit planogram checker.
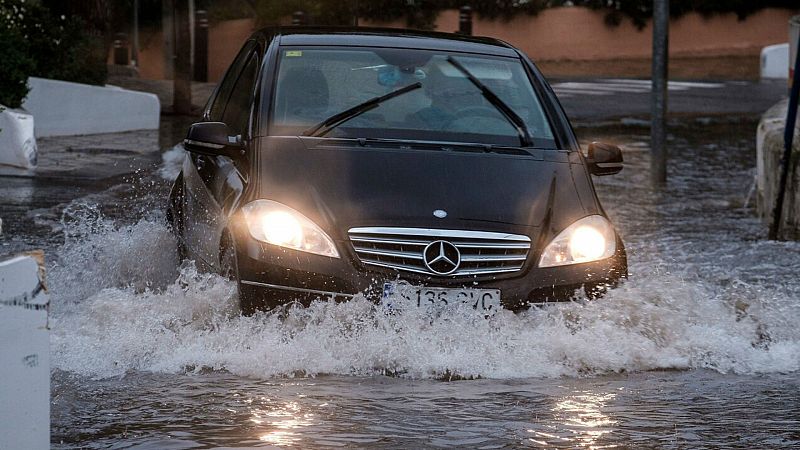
(775, 62)
(17, 140)
(24, 354)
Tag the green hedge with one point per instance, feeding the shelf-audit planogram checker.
(35, 42)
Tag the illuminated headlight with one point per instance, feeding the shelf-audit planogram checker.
(277, 224)
(589, 239)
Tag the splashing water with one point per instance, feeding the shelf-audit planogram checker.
(705, 292)
(124, 304)
(149, 351)
(172, 160)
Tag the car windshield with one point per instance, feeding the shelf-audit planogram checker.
(314, 84)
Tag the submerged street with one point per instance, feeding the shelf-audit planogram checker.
(699, 347)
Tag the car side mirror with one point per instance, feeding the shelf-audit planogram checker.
(604, 159)
(213, 139)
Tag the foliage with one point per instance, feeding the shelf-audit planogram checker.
(15, 64)
(106, 17)
(640, 11)
(36, 42)
(423, 13)
(417, 13)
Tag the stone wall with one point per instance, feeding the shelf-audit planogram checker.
(769, 150)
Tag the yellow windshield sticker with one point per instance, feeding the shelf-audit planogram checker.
(294, 53)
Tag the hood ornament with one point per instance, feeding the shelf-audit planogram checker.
(440, 213)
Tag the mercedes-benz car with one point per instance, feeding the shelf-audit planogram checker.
(429, 168)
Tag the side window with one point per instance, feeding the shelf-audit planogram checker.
(237, 112)
(227, 83)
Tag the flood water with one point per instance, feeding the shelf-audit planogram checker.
(701, 347)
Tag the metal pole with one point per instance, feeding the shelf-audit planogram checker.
(788, 141)
(465, 20)
(658, 128)
(298, 18)
(201, 46)
(135, 46)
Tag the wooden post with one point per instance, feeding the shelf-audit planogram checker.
(658, 128)
(182, 95)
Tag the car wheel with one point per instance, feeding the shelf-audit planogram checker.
(174, 217)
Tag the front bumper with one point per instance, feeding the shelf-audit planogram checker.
(280, 275)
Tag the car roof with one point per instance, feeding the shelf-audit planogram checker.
(388, 37)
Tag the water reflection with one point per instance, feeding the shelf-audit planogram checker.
(283, 423)
(578, 420)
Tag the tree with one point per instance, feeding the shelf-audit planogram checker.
(14, 69)
(36, 42)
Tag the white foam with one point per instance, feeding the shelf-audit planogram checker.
(172, 161)
(122, 304)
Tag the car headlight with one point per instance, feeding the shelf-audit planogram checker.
(589, 239)
(276, 223)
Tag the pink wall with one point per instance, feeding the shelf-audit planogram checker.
(224, 41)
(569, 33)
(577, 33)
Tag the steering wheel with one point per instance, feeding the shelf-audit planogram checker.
(482, 117)
(366, 120)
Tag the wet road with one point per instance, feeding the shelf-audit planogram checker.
(589, 100)
(700, 348)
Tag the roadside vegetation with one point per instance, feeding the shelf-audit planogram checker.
(423, 13)
(36, 41)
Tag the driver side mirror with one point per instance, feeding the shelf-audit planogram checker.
(213, 139)
(604, 159)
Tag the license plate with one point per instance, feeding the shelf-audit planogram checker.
(397, 295)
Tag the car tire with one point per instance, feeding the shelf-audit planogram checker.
(174, 217)
(249, 299)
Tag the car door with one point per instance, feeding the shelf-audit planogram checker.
(211, 180)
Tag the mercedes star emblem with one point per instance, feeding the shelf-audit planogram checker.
(441, 257)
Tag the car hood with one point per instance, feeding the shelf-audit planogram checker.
(341, 184)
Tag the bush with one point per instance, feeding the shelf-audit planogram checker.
(34, 42)
(15, 66)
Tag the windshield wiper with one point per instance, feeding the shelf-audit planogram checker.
(447, 145)
(513, 118)
(324, 127)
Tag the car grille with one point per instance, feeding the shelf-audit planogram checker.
(403, 249)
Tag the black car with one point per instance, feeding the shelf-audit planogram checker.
(405, 166)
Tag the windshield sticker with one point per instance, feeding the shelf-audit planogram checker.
(290, 53)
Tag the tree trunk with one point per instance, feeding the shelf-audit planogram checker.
(182, 96)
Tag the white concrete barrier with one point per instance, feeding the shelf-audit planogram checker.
(775, 62)
(24, 355)
(17, 140)
(769, 151)
(64, 109)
